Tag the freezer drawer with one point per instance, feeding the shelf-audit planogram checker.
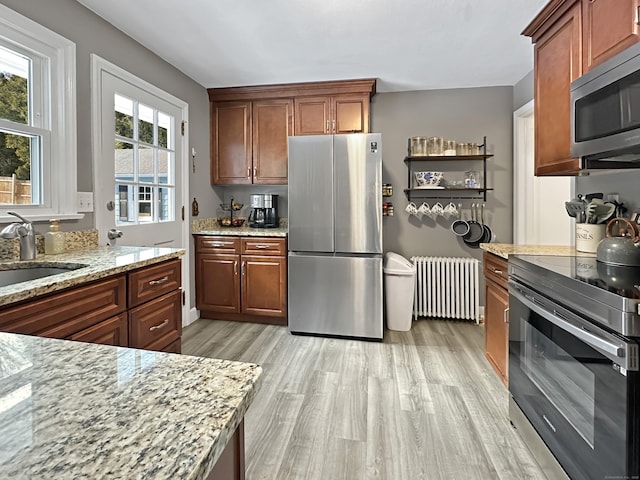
(335, 295)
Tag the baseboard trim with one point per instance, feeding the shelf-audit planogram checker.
(194, 314)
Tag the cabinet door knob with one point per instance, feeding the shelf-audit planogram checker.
(235, 267)
(255, 172)
(333, 126)
(327, 129)
(242, 268)
(248, 172)
(505, 315)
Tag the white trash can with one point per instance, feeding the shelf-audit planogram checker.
(399, 286)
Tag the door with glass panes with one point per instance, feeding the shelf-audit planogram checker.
(138, 196)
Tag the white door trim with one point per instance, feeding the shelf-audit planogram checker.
(98, 65)
(523, 194)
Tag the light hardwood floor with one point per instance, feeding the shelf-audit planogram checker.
(424, 404)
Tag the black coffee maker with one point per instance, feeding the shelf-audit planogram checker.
(264, 211)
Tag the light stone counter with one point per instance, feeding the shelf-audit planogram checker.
(94, 263)
(209, 226)
(73, 410)
(504, 250)
(244, 232)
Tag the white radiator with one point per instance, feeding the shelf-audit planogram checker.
(447, 287)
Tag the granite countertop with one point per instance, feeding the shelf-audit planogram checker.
(243, 231)
(504, 250)
(74, 410)
(94, 263)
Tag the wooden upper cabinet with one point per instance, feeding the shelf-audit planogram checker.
(313, 115)
(250, 126)
(571, 37)
(609, 26)
(557, 62)
(350, 114)
(332, 114)
(231, 143)
(272, 125)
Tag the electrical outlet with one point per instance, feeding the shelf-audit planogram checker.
(84, 202)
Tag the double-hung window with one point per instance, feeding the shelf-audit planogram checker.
(38, 168)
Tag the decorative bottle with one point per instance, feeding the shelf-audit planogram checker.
(54, 239)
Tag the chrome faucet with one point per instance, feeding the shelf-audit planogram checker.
(25, 232)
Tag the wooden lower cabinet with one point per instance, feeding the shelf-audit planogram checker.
(220, 270)
(496, 314)
(140, 309)
(243, 280)
(114, 331)
(497, 329)
(264, 286)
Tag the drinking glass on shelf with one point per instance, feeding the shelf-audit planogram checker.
(461, 149)
(472, 179)
(449, 147)
(472, 149)
(418, 146)
(434, 145)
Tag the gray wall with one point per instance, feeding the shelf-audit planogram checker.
(623, 183)
(91, 34)
(462, 115)
(523, 91)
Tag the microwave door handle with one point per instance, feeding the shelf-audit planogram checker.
(610, 350)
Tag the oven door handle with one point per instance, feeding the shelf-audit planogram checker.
(616, 353)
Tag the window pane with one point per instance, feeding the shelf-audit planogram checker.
(17, 155)
(166, 172)
(14, 86)
(124, 205)
(124, 161)
(145, 124)
(145, 204)
(164, 125)
(124, 116)
(145, 164)
(167, 202)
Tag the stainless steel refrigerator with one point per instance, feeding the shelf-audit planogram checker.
(335, 235)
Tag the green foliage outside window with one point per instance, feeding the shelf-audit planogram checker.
(15, 151)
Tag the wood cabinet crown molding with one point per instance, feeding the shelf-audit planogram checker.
(547, 16)
(334, 87)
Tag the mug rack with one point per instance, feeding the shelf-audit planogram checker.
(448, 192)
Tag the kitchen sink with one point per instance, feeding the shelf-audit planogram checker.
(18, 275)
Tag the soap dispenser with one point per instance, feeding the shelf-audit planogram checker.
(54, 239)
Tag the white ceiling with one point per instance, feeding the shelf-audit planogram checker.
(406, 44)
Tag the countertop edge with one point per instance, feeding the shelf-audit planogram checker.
(211, 456)
(43, 286)
(257, 232)
(505, 250)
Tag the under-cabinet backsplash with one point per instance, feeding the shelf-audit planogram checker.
(80, 240)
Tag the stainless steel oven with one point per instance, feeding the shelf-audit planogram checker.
(575, 379)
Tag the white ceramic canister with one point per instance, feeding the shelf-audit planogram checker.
(588, 236)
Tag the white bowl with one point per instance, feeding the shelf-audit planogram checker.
(427, 178)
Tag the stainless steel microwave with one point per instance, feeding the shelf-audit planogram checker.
(605, 113)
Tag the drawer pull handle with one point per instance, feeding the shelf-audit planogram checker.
(155, 283)
(497, 272)
(221, 244)
(242, 268)
(261, 247)
(158, 327)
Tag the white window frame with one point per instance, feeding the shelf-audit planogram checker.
(57, 59)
